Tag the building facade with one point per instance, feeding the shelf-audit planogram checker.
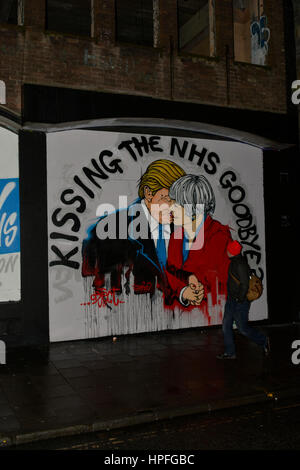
(296, 17)
(215, 63)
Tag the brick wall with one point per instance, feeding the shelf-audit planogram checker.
(297, 30)
(28, 54)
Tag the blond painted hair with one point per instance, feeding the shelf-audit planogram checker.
(160, 174)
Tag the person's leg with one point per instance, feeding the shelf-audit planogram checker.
(227, 328)
(241, 319)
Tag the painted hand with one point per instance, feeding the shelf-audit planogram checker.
(194, 292)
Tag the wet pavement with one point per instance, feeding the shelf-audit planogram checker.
(84, 386)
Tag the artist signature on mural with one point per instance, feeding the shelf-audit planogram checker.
(104, 297)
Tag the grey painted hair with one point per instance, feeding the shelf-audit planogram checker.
(192, 190)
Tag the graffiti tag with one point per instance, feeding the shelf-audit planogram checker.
(260, 36)
(104, 297)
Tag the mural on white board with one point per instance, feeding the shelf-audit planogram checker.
(9, 218)
(118, 267)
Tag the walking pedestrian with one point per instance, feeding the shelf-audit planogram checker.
(237, 305)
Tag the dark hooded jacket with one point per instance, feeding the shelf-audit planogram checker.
(240, 269)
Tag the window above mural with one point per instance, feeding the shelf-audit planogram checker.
(69, 16)
(251, 32)
(196, 27)
(135, 21)
(11, 11)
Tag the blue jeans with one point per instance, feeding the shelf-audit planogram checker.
(238, 312)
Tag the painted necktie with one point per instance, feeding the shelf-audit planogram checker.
(185, 248)
(161, 247)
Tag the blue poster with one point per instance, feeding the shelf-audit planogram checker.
(9, 216)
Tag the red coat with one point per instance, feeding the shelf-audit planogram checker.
(209, 262)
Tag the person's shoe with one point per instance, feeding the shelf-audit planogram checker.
(226, 356)
(267, 347)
